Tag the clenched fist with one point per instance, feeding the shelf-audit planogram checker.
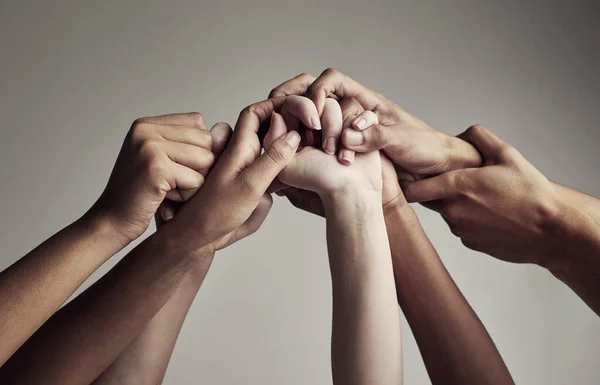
(162, 157)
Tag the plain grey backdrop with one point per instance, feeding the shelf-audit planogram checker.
(75, 74)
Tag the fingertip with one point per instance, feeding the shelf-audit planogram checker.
(346, 157)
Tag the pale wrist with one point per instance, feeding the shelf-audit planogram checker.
(351, 198)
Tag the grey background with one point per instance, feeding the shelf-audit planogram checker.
(75, 74)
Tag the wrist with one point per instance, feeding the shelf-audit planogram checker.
(459, 154)
(571, 235)
(105, 228)
(350, 197)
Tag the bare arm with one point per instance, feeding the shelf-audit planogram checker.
(35, 286)
(105, 319)
(366, 346)
(585, 203)
(86, 336)
(146, 359)
(454, 344)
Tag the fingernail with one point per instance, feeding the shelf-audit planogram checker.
(347, 157)
(292, 138)
(315, 122)
(360, 124)
(354, 138)
(330, 146)
(168, 214)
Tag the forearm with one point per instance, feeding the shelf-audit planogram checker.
(455, 345)
(366, 346)
(35, 286)
(146, 359)
(585, 203)
(81, 340)
(576, 258)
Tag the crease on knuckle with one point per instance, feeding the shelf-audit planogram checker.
(197, 119)
(277, 152)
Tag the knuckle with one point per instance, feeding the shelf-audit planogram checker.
(197, 119)
(205, 138)
(277, 152)
(507, 152)
(139, 130)
(451, 213)
(331, 72)
(149, 149)
(378, 134)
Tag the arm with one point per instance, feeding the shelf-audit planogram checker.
(145, 359)
(35, 286)
(454, 344)
(106, 317)
(585, 203)
(366, 346)
(85, 337)
(509, 210)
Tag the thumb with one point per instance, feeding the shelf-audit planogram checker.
(373, 138)
(488, 144)
(276, 157)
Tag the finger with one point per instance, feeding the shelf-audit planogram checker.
(488, 144)
(364, 120)
(372, 138)
(190, 156)
(295, 86)
(257, 218)
(305, 200)
(299, 107)
(391, 191)
(185, 134)
(278, 155)
(345, 155)
(244, 146)
(437, 206)
(190, 119)
(332, 81)
(276, 186)
(275, 130)
(220, 135)
(184, 182)
(166, 211)
(431, 189)
(332, 126)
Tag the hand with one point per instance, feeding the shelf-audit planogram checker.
(236, 184)
(312, 169)
(506, 208)
(220, 134)
(417, 149)
(162, 157)
(299, 108)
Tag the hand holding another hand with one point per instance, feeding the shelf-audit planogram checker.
(506, 208)
(414, 147)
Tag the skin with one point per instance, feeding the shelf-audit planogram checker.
(509, 210)
(455, 345)
(486, 206)
(119, 306)
(35, 286)
(366, 346)
(146, 359)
